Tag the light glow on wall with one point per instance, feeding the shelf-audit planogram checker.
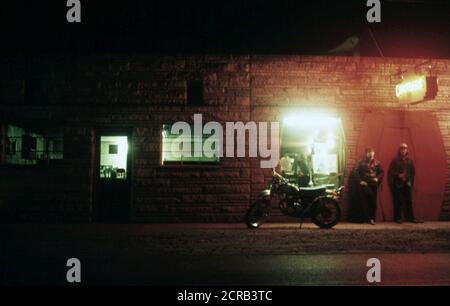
(310, 120)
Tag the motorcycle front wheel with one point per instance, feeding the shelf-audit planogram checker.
(256, 214)
(327, 213)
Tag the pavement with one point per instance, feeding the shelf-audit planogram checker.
(225, 254)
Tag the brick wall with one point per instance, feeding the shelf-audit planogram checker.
(85, 93)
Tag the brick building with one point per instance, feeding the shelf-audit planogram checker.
(64, 120)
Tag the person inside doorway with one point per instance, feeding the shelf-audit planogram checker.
(285, 165)
(369, 174)
(302, 168)
(401, 176)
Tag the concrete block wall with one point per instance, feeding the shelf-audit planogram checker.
(86, 93)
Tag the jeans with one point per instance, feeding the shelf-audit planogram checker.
(402, 199)
(369, 201)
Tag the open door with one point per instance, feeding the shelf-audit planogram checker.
(113, 192)
(384, 131)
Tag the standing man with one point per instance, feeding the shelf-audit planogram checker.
(401, 180)
(369, 174)
(302, 168)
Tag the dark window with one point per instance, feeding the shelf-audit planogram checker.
(29, 145)
(195, 93)
(11, 147)
(113, 149)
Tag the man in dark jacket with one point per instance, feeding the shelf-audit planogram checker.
(401, 180)
(369, 174)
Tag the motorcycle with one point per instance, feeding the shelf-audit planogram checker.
(321, 203)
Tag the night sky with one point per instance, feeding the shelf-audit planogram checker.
(409, 28)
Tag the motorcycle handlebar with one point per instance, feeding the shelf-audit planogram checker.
(277, 175)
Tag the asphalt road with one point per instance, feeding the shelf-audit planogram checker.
(259, 270)
(224, 254)
(396, 269)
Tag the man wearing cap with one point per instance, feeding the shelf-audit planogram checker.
(369, 173)
(401, 180)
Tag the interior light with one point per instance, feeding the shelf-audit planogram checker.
(115, 159)
(310, 120)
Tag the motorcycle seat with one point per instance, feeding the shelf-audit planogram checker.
(312, 190)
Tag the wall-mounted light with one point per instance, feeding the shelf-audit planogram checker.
(416, 89)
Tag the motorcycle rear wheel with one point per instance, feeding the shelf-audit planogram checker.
(256, 214)
(327, 213)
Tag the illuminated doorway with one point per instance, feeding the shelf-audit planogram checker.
(113, 157)
(313, 150)
(113, 192)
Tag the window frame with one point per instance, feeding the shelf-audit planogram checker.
(341, 158)
(29, 130)
(185, 163)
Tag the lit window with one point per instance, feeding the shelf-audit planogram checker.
(315, 146)
(113, 157)
(32, 147)
(173, 150)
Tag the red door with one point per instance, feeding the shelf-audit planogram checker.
(384, 131)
